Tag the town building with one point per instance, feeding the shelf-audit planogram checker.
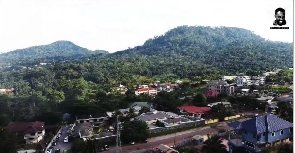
(260, 132)
(32, 132)
(221, 87)
(95, 119)
(194, 111)
(149, 91)
(82, 130)
(225, 104)
(243, 81)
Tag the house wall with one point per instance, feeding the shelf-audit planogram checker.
(37, 137)
(278, 136)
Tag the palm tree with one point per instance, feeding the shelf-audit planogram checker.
(214, 144)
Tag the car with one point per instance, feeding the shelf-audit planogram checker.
(57, 151)
(49, 150)
(66, 139)
(54, 144)
(106, 147)
(132, 143)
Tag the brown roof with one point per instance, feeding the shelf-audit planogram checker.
(26, 127)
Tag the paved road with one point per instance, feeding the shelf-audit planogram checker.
(61, 145)
(167, 139)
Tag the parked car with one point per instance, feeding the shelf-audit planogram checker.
(132, 143)
(106, 147)
(57, 151)
(49, 150)
(66, 140)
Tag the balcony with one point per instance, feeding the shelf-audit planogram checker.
(31, 136)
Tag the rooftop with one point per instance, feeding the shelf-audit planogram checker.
(194, 109)
(26, 127)
(141, 104)
(152, 116)
(266, 123)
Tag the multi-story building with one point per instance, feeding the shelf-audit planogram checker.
(32, 132)
(260, 132)
(221, 87)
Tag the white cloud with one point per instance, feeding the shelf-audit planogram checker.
(115, 25)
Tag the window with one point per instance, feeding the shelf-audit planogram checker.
(282, 132)
(272, 134)
(245, 132)
(291, 129)
(263, 134)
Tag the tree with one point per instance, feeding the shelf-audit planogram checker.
(285, 148)
(131, 114)
(285, 111)
(8, 141)
(144, 109)
(200, 100)
(189, 149)
(134, 131)
(214, 144)
(90, 146)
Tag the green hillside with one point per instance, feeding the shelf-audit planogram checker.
(58, 51)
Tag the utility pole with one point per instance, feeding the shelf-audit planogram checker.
(118, 141)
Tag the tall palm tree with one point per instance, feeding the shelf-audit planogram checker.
(214, 145)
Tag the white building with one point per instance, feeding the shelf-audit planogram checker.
(150, 91)
(248, 81)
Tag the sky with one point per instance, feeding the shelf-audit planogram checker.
(115, 25)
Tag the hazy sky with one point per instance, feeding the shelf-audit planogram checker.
(114, 25)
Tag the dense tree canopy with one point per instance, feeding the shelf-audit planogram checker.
(134, 131)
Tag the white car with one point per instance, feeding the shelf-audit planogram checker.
(66, 139)
(132, 143)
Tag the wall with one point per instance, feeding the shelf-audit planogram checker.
(210, 121)
(232, 117)
(183, 125)
(286, 134)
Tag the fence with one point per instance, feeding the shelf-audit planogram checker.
(231, 117)
(210, 121)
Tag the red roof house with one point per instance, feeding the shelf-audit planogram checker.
(211, 94)
(26, 127)
(194, 109)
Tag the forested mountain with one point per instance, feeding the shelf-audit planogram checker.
(58, 51)
(228, 49)
(80, 86)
